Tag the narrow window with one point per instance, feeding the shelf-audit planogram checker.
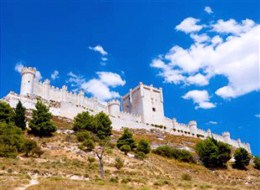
(154, 109)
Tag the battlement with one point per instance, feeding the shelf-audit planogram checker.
(112, 102)
(28, 70)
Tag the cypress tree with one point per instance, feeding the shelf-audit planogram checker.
(19, 117)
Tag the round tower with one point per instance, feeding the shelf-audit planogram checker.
(226, 136)
(113, 107)
(28, 74)
(193, 127)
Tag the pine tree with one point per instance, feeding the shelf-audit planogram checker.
(19, 117)
(6, 113)
(41, 124)
(103, 124)
(126, 139)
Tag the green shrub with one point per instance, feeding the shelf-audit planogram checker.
(29, 145)
(140, 155)
(186, 177)
(6, 113)
(257, 163)
(169, 152)
(143, 146)
(212, 153)
(87, 145)
(114, 179)
(37, 151)
(125, 149)
(84, 121)
(119, 163)
(91, 159)
(126, 139)
(82, 136)
(242, 158)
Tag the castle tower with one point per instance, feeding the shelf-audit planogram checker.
(146, 101)
(28, 75)
(193, 127)
(113, 107)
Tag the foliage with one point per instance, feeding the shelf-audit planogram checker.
(37, 151)
(125, 148)
(186, 177)
(91, 159)
(143, 146)
(140, 155)
(169, 152)
(6, 113)
(11, 140)
(29, 145)
(242, 158)
(19, 117)
(126, 139)
(119, 163)
(82, 135)
(257, 163)
(103, 126)
(213, 153)
(84, 121)
(87, 145)
(41, 124)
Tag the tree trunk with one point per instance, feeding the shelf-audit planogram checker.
(101, 167)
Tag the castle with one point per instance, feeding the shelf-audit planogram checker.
(141, 108)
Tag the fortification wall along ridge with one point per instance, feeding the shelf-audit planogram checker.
(141, 108)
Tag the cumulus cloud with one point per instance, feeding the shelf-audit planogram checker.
(189, 25)
(212, 123)
(99, 49)
(55, 75)
(208, 10)
(100, 87)
(19, 66)
(231, 51)
(200, 98)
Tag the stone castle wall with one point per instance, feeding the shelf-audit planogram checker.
(67, 104)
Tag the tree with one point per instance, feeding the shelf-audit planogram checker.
(84, 121)
(242, 158)
(126, 139)
(41, 124)
(29, 145)
(6, 113)
(103, 124)
(11, 140)
(125, 148)
(19, 117)
(257, 163)
(83, 135)
(143, 146)
(213, 153)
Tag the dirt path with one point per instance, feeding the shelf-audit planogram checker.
(34, 181)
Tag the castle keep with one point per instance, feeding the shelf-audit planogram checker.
(141, 108)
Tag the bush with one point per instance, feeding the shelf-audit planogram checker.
(87, 145)
(11, 140)
(126, 139)
(119, 163)
(82, 136)
(169, 152)
(257, 163)
(186, 177)
(29, 145)
(213, 153)
(140, 155)
(19, 117)
(125, 149)
(37, 151)
(143, 146)
(84, 121)
(41, 124)
(242, 158)
(91, 159)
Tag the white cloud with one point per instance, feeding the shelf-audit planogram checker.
(189, 25)
(19, 66)
(208, 10)
(212, 123)
(257, 115)
(103, 58)
(55, 75)
(99, 49)
(200, 38)
(99, 87)
(236, 58)
(232, 26)
(200, 98)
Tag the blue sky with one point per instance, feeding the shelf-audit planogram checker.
(205, 54)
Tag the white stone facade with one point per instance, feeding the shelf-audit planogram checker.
(142, 108)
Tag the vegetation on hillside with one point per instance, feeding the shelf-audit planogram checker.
(242, 158)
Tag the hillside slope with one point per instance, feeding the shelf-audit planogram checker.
(63, 166)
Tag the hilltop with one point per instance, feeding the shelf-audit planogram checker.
(64, 166)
